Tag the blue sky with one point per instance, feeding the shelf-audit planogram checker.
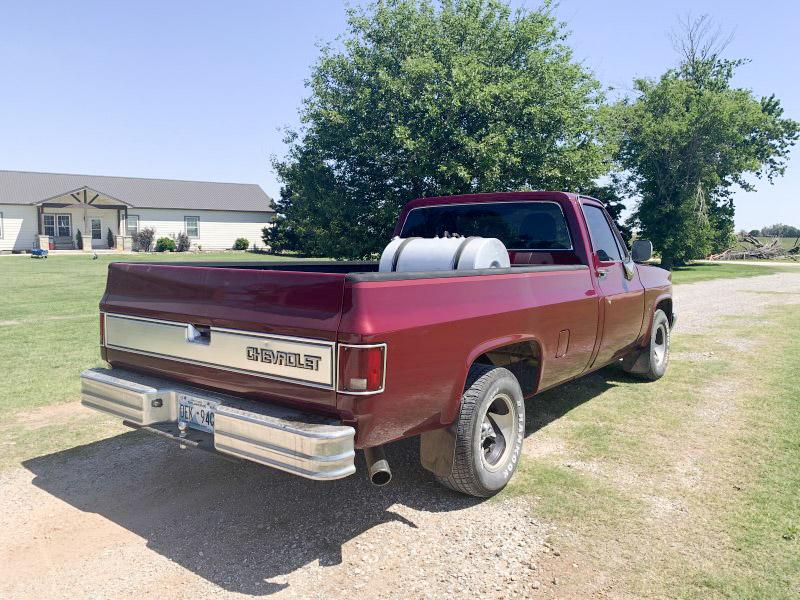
(201, 90)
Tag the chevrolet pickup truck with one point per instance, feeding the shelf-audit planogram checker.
(297, 365)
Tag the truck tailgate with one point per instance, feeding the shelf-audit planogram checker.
(259, 333)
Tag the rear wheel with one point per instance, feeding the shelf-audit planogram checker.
(651, 363)
(489, 433)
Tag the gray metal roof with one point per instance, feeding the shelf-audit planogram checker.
(25, 187)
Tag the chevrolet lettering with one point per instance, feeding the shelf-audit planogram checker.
(287, 359)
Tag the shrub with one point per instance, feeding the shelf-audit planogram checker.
(165, 244)
(182, 242)
(110, 239)
(143, 239)
(79, 240)
(241, 244)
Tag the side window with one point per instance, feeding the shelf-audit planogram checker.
(192, 226)
(49, 223)
(1, 226)
(132, 224)
(603, 239)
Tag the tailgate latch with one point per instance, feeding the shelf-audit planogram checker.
(198, 334)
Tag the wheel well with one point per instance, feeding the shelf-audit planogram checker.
(666, 306)
(522, 359)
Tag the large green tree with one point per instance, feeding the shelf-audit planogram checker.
(689, 138)
(423, 98)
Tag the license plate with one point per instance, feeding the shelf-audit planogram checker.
(196, 412)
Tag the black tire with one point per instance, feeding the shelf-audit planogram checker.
(652, 362)
(485, 460)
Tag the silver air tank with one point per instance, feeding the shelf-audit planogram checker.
(443, 254)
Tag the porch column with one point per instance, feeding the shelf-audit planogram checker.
(42, 241)
(87, 228)
(122, 214)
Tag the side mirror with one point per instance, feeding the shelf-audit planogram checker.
(642, 251)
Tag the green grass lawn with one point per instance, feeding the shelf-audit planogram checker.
(724, 270)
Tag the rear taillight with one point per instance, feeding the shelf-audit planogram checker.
(362, 368)
(102, 329)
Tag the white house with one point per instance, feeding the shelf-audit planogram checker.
(47, 210)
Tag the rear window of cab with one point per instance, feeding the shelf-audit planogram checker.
(519, 225)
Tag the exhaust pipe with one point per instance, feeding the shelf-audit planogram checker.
(377, 465)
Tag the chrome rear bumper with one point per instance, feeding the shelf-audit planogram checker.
(307, 445)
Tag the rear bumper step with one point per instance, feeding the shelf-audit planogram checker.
(307, 445)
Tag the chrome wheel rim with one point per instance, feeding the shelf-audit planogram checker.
(497, 431)
(660, 344)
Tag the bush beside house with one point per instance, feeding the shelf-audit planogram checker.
(143, 239)
(241, 244)
(165, 244)
(182, 242)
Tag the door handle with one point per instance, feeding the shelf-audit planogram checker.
(601, 273)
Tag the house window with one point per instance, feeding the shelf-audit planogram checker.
(49, 224)
(1, 226)
(132, 224)
(192, 226)
(64, 225)
(97, 232)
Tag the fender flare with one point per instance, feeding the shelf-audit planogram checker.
(451, 409)
(651, 310)
(437, 446)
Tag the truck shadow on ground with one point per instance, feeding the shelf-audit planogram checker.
(239, 525)
(543, 409)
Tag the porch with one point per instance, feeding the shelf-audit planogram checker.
(100, 219)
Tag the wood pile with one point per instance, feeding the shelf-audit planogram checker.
(751, 248)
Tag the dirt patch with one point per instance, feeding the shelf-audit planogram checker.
(43, 416)
(702, 305)
(692, 356)
(130, 516)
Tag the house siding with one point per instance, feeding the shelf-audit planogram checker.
(19, 227)
(219, 229)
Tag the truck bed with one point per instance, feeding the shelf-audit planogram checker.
(305, 306)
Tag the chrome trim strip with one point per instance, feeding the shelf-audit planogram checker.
(340, 473)
(290, 452)
(223, 368)
(361, 346)
(115, 381)
(323, 344)
(107, 409)
(242, 415)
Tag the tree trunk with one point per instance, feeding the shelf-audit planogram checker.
(667, 262)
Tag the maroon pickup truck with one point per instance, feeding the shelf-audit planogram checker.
(296, 365)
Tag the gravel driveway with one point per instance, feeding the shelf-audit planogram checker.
(132, 516)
